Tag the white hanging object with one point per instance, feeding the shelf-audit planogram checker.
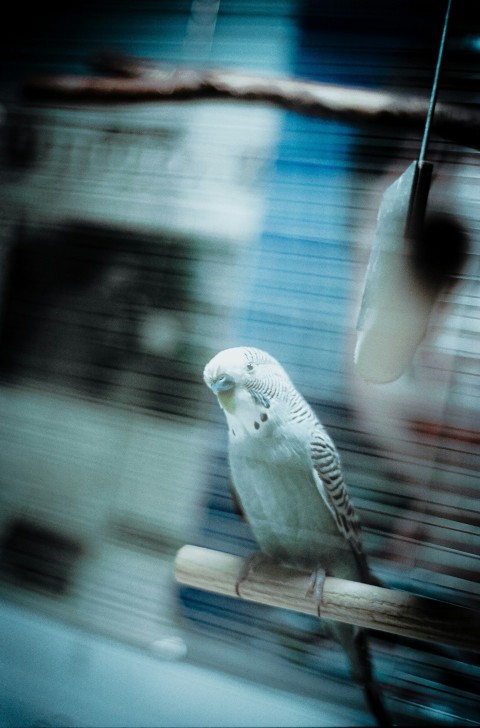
(397, 302)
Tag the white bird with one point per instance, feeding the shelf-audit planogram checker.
(288, 479)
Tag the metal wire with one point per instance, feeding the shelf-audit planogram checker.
(434, 94)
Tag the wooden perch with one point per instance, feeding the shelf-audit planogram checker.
(131, 79)
(368, 606)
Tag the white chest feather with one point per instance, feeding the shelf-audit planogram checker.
(272, 473)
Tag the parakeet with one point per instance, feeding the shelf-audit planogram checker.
(288, 479)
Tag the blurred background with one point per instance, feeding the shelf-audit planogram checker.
(136, 241)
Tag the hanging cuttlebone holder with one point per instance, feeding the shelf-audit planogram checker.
(397, 304)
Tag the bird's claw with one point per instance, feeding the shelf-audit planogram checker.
(248, 567)
(316, 585)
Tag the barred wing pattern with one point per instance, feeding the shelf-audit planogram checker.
(325, 459)
(327, 467)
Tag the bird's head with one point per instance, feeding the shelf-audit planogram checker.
(243, 375)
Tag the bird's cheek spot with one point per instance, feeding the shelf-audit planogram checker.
(227, 400)
(256, 425)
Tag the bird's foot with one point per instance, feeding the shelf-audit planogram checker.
(315, 587)
(248, 567)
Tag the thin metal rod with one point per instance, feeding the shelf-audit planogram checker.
(433, 97)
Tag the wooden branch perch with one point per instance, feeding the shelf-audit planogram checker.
(373, 607)
(132, 79)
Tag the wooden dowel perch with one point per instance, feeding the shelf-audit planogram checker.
(131, 79)
(373, 607)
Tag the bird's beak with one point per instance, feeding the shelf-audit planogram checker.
(223, 383)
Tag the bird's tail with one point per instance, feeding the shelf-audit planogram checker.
(371, 689)
(354, 642)
(366, 575)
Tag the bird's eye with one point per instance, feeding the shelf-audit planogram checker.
(250, 367)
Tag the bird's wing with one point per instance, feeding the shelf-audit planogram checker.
(329, 481)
